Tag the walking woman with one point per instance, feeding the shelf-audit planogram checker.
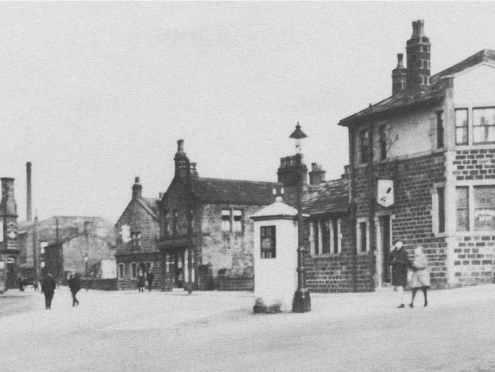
(421, 275)
(400, 263)
(75, 286)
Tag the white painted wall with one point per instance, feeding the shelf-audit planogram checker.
(275, 279)
(475, 87)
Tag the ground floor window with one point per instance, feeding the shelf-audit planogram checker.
(121, 271)
(133, 270)
(475, 208)
(362, 236)
(268, 242)
(325, 236)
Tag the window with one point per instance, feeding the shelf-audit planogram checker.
(363, 146)
(362, 238)
(121, 271)
(440, 143)
(325, 237)
(268, 242)
(133, 270)
(316, 237)
(335, 224)
(226, 220)
(462, 205)
(441, 209)
(237, 220)
(461, 127)
(484, 125)
(232, 220)
(175, 222)
(484, 207)
(383, 142)
(136, 239)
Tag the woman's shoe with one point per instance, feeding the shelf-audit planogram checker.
(411, 305)
(426, 303)
(401, 306)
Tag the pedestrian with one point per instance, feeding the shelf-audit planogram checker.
(421, 275)
(400, 264)
(48, 289)
(35, 285)
(21, 283)
(140, 281)
(149, 277)
(75, 286)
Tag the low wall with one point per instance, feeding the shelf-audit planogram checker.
(235, 283)
(100, 284)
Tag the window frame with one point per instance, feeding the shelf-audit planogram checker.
(463, 126)
(363, 144)
(487, 126)
(271, 252)
(121, 271)
(359, 237)
(477, 207)
(440, 130)
(133, 270)
(382, 138)
(457, 208)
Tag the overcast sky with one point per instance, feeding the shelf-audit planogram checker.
(94, 94)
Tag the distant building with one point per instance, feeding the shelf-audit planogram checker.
(52, 232)
(138, 231)
(9, 241)
(81, 253)
(212, 216)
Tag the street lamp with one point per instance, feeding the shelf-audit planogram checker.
(302, 300)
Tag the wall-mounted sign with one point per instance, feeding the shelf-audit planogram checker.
(11, 230)
(385, 192)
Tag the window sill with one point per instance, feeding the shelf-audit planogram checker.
(326, 255)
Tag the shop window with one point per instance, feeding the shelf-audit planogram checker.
(484, 125)
(462, 205)
(461, 127)
(484, 208)
(268, 242)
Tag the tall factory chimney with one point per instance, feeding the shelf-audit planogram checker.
(29, 209)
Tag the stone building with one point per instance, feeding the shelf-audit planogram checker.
(212, 217)
(138, 232)
(422, 169)
(78, 253)
(9, 240)
(35, 236)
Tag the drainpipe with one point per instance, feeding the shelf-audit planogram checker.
(352, 206)
(372, 202)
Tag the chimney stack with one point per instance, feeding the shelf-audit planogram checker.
(29, 207)
(317, 175)
(399, 76)
(182, 166)
(137, 189)
(418, 59)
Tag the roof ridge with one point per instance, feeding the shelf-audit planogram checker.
(231, 180)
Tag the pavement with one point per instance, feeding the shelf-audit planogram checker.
(216, 331)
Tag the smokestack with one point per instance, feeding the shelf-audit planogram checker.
(29, 208)
(137, 189)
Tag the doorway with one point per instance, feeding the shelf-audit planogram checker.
(11, 273)
(384, 246)
(178, 265)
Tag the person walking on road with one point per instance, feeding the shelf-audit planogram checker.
(48, 289)
(421, 275)
(400, 264)
(75, 286)
(149, 277)
(140, 281)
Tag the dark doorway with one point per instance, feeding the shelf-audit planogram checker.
(11, 274)
(385, 248)
(178, 263)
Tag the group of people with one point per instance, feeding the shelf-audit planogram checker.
(142, 280)
(401, 264)
(48, 286)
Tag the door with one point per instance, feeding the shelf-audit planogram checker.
(11, 274)
(385, 247)
(178, 262)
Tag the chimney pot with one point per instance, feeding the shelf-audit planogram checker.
(180, 145)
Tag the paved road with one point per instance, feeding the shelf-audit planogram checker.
(129, 331)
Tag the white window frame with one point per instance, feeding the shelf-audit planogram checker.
(358, 235)
(332, 235)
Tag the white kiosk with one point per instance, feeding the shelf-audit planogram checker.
(275, 257)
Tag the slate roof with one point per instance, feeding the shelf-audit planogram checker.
(151, 204)
(214, 190)
(405, 101)
(327, 197)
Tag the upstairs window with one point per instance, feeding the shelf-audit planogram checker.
(136, 239)
(440, 142)
(226, 220)
(363, 146)
(232, 220)
(268, 244)
(484, 125)
(461, 127)
(383, 142)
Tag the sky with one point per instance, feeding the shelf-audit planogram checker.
(96, 93)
